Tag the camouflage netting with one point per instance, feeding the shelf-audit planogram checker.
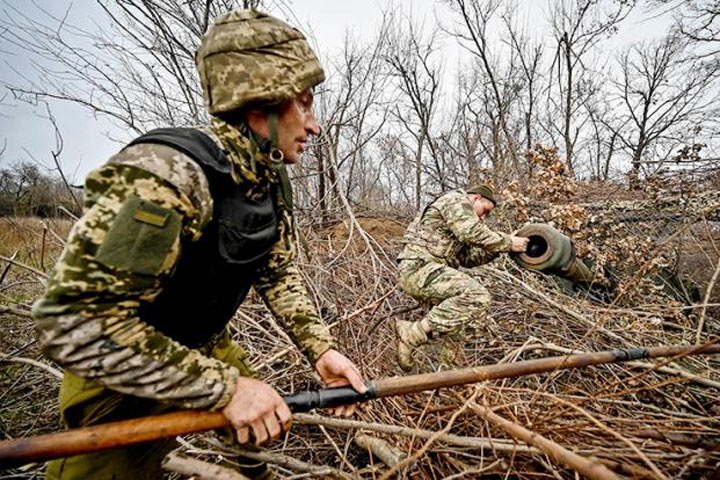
(657, 240)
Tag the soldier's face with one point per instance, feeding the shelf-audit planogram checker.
(482, 206)
(296, 123)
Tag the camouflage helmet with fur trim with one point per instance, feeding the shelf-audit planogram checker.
(248, 58)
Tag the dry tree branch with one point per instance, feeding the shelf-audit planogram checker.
(7, 267)
(192, 467)
(450, 439)
(339, 452)
(433, 438)
(706, 300)
(16, 311)
(589, 468)
(611, 431)
(26, 267)
(291, 463)
(553, 303)
(29, 361)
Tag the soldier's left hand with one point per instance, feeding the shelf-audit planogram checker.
(336, 370)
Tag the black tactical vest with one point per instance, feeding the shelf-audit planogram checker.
(214, 274)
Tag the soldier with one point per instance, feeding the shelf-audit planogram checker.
(176, 228)
(448, 234)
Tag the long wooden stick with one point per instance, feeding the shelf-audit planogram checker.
(138, 430)
(589, 468)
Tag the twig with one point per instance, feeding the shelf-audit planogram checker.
(29, 361)
(555, 304)
(370, 305)
(432, 439)
(380, 448)
(68, 213)
(701, 322)
(612, 432)
(192, 467)
(16, 311)
(450, 439)
(26, 267)
(591, 469)
(470, 472)
(7, 267)
(337, 449)
(289, 462)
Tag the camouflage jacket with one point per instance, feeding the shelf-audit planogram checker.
(88, 320)
(448, 231)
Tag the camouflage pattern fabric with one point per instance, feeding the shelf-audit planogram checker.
(445, 236)
(248, 58)
(459, 300)
(88, 319)
(85, 402)
(449, 232)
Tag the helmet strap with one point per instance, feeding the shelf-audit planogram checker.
(276, 155)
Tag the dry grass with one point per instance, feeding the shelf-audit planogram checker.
(607, 413)
(28, 395)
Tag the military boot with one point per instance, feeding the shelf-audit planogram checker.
(410, 336)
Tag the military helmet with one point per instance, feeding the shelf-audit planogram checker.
(248, 58)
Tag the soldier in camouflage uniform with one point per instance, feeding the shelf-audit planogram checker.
(448, 234)
(169, 244)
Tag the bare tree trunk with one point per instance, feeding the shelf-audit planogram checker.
(418, 170)
(568, 108)
(322, 194)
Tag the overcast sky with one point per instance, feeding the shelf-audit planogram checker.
(89, 141)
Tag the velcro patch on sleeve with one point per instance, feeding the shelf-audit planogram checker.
(143, 214)
(140, 237)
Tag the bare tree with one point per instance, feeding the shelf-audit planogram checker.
(578, 26)
(136, 67)
(697, 21)
(500, 86)
(409, 56)
(529, 54)
(664, 101)
(601, 145)
(352, 108)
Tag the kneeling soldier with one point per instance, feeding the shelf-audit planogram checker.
(448, 234)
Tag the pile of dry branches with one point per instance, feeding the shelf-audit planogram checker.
(643, 419)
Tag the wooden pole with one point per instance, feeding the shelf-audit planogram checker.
(138, 430)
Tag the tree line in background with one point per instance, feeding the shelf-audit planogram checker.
(25, 190)
(402, 118)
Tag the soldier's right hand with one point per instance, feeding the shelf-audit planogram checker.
(256, 405)
(518, 244)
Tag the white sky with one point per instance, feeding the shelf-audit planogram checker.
(87, 142)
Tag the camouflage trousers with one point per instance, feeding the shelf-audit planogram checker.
(458, 299)
(84, 402)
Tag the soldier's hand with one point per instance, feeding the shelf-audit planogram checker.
(336, 370)
(518, 244)
(256, 405)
